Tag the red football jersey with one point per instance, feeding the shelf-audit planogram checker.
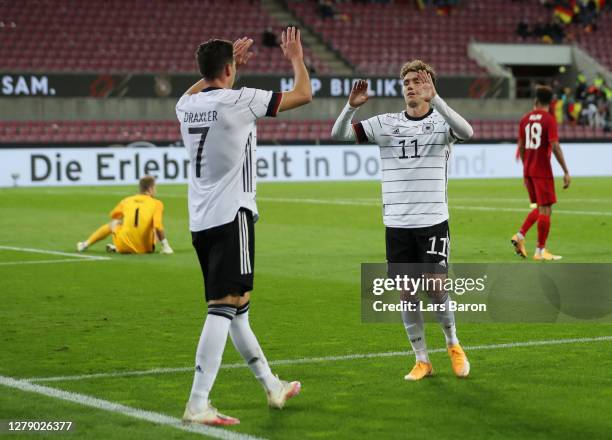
(538, 130)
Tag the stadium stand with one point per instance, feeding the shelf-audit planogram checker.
(158, 36)
(149, 36)
(374, 37)
(161, 36)
(269, 131)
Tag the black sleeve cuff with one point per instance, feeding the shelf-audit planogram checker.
(274, 104)
(362, 137)
(454, 136)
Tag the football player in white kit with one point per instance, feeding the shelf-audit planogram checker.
(218, 129)
(415, 145)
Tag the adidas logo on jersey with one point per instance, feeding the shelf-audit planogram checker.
(396, 131)
(442, 263)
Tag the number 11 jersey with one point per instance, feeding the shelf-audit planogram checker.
(219, 133)
(414, 156)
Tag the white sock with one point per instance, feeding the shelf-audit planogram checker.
(539, 251)
(520, 236)
(209, 353)
(246, 343)
(446, 319)
(415, 328)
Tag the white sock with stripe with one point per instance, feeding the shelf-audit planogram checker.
(247, 345)
(209, 353)
(446, 318)
(415, 328)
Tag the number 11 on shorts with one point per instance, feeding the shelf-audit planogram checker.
(432, 249)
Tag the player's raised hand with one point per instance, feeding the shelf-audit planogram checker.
(428, 90)
(359, 93)
(241, 51)
(291, 45)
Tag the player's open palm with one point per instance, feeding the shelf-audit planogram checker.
(241, 51)
(428, 90)
(291, 44)
(359, 93)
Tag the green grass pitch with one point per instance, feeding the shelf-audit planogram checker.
(61, 318)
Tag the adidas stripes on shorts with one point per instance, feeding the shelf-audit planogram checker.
(227, 256)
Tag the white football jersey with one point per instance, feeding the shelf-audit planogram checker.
(414, 155)
(218, 130)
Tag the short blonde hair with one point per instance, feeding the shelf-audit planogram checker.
(146, 183)
(415, 66)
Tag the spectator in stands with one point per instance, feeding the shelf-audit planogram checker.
(326, 9)
(268, 38)
(581, 86)
(599, 82)
(587, 16)
(557, 32)
(538, 30)
(552, 32)
(445, 7)
(602, 115)
(522, 29)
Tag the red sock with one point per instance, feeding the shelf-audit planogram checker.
(543, 228)
(529, 221)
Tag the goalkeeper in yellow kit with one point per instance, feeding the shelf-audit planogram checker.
(136, 224)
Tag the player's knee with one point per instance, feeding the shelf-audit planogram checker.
(438, 296)
(233, 299)
(545, 209)
(410, 296)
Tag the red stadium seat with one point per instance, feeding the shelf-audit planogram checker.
(107, 36)
(269, 131)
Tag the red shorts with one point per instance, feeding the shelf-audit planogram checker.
(541, 190)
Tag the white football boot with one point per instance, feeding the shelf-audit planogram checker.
(209, 416)
(286, 391)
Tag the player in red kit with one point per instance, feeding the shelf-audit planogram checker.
(538, 138)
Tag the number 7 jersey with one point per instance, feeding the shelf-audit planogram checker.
(218, 130)
(414, 156)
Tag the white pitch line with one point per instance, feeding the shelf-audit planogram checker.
(45, 251)
(526, 209)
(61, 260)
(525, 200)
(350, 202)
(378, 202)
(114, 407)
(314, 360)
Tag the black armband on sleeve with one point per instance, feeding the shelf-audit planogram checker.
(362, 137)
(274, 104)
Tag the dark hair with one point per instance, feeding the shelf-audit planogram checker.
(212, 57)
(543, 94)
(146, 183)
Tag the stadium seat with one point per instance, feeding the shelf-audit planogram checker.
(269, 131)
(107, 36)
(375, 38)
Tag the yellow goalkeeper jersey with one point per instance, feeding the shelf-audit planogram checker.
(141, 215)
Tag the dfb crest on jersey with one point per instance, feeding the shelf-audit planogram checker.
(428, 128)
